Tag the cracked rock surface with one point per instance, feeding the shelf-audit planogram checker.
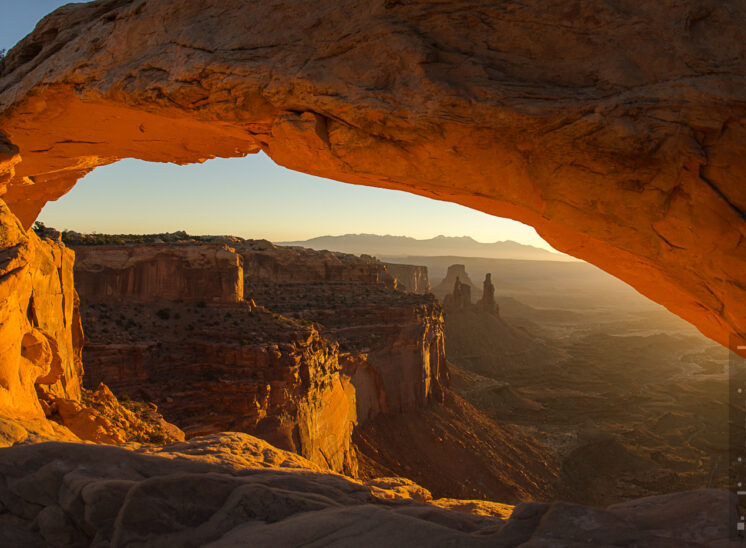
(232, 489)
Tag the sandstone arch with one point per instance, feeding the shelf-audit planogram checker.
(616, 128)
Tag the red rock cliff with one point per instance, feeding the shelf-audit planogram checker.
(207, 272)
(40, 332)
(410, 277)
(225, 366)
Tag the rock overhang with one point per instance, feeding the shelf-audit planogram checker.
(616, 130)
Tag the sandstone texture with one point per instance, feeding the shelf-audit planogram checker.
(235, 490)
(391, 340)
(40, 332)
(409, 277)
(208, 272)
(227, 367)
(325, 342)
(101, 418)
(616, 129)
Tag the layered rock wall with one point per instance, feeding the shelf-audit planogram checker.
(392, 341)
(40, 331)
(227, 367)
(212, 367)
(207, 272)
(409, 277)
(266, 262)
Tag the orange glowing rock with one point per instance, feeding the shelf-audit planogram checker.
(616, 130)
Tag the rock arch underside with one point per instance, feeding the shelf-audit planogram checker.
(616, 128)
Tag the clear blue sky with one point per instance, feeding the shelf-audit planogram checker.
(250, 197)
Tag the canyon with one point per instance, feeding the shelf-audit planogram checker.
(324, 341)
(326, 354)
(623, 147)
(630, 401)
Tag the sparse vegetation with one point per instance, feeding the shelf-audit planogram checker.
(164, 313)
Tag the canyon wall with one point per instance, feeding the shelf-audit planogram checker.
(208, 272)
(264, 261)
(227, 367)
(323, 342)
(616, 129)
(409, 277)
(40, 332)
(392, 341)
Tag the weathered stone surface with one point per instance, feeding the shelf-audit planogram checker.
(101, 418)
(40, 332)
(241, 367)
(391, 342)
(233, 490)
(446, 286)
(224, 367)
(207, 272)
(409, 277)
(616, 129)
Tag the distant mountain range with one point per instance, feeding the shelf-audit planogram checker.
(403, 246)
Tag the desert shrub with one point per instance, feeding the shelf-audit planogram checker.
(157, 436)
(164, 313)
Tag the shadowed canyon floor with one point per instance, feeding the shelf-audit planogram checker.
(632, 401)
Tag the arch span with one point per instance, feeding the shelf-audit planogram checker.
(616, 128)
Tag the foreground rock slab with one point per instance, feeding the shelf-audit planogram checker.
(235, 490)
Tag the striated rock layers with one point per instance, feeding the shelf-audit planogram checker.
(344, 347)
(409, 277)
(208, 272)
(616, 129)
(40, 331)
(392, 341)
(227, 367)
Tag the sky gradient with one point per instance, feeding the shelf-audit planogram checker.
(250, 197)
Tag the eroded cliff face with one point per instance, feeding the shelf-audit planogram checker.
(226, 367)
(410, 277)
(272, 365)
(40, 332)
(208, 272)
(392, 341)
(615, 129)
